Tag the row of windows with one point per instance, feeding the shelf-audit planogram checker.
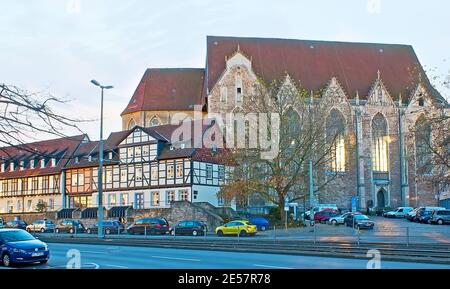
(157, 198)
(30, 186)
(380, 143)
(30, 205)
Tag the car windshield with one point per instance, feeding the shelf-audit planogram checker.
(361, 217)
(15, 236)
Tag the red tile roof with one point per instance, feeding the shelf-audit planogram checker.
(168, 89)
(314, 63)
(63, 148)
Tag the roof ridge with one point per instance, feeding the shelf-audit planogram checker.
(308, 40)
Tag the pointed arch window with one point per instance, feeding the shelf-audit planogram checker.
(335, 133)
(131, 124)
(423, 146)
(239, 91)
(380, 140)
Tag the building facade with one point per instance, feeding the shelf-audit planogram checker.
(377, 92)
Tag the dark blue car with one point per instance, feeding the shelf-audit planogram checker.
(261, 223)
(19, 246)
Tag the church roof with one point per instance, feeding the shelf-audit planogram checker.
(168, 89)
(314, 63)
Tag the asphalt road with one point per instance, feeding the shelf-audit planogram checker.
(124, 257)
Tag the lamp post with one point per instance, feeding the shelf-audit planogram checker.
(100, 165)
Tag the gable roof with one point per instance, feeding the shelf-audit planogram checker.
(168, 89)
(62, 148)
(314, 63)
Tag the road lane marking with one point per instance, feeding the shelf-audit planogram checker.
(94, 252)
(116, 266)
(179, 259)
(271, 267)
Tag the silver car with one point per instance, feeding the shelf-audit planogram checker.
(441, 217)
(339, 220)
(41, 226)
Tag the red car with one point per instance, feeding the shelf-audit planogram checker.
(324, 216)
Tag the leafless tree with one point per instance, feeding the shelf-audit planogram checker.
(25, 114)
(302, 136)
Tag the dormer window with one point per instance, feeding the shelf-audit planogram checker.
(12, 166)
(90, 158)
(3, 167)
(22, 165)
(182, 146)
(110, 155)
(42, 163)
(32, 164)
(77, 160)
(53, 162)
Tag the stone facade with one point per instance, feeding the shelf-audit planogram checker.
(145, 118)
(391, 190)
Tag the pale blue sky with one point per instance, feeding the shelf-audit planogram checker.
(60, 45)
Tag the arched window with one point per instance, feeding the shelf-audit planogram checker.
(154, 122)
(380, 141)
(131, 124)
(335, 133)
(423, 146)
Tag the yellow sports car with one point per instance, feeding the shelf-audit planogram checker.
(243, 228)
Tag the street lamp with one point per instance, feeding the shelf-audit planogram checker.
(100, 165)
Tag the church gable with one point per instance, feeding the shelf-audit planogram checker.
(420, 97)
(379, 94)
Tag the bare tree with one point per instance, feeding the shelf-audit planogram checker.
(301, 137)
(24, 114)
(431, 135)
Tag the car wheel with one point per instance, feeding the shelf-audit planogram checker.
(334, 222)
(243, 233)
(57, 231)
(440, 222)
(172, 232)
(429, 222)
(6, 260)
(42, 230)
(28, 230)
(44, 262)
(263, 228)
(219, 233)
(194, 233)
(70, 231)
(88, 231)
(107, 231)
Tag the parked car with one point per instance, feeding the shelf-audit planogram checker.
(151, 226)
(16, 224)
(425, 217)
(423, 214)
(339, 220)
(359, 222)
(193, 228)
(441, 217)
(242, 228)
(41, 226)
(411, 215)
(324, 216)
(70, 226)
(398, 213)
(19, 246)
(109, 227)
(261, 223)
(318, 208)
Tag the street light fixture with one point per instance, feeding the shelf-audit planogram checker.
(100, 165)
